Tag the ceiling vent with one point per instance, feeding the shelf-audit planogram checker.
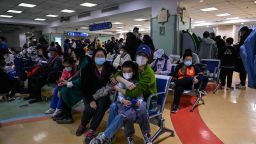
(110, 9)
(85, 14)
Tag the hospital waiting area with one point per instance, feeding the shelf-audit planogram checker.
(127, 72)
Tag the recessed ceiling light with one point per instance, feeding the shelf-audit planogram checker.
(137, 25)
(117, 23)
(233, 18)
(255, 2)
(67, 11)
(209, 9)
(51, 15)
(39, 19)
(119, 30)
(88, 4)
(140, 19)
(199, 22)
(84, 28)
(27, 5)
(119, 27)
(6, 16)
(14, 11)
(223, 14)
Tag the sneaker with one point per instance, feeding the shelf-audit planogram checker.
(222, 87)
(130, 140)
(147, 139)
(239, 86)
(172, 85)
(56, 112)
(89, 135)
(66, 120)
(175, 109)
(81, 129)
(100, 139)
(230, 88)
(49, 111)
(58, 116)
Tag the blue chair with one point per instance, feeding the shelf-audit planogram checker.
(213, 67)
(163, 83)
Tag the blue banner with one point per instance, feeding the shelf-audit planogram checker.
(100, 26)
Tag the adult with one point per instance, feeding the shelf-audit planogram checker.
(220, 45)
(39, 75)
(145, 86)
(112, 46)
(148, 41)
(132, 42)
(162, 64)
(8, 83)
(94, 77)
(3, 44)
(71, 92)
(208, 48)
(121, 58)
(67, 48)
(239, 67)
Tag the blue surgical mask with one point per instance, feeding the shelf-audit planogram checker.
(68, 69)
(100, 61)
(188, 63)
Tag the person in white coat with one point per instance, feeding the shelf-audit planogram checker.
(121, 58)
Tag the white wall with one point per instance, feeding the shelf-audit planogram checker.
(200, 30)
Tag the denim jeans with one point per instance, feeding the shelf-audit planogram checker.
(55, 101)
(119, 116)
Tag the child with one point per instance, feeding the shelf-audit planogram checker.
(128, 109)
(68, 72)
(186, 74)
(228, 57)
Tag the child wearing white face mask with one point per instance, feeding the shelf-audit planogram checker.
(68, 72)
(127, 109)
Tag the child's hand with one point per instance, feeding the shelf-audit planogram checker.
(130, 85)
(126, 103)
(116, 88)
(93, 105)
(195, 81)
(113, 81)
(64, 82)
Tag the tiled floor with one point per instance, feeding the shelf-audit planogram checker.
(231, 116)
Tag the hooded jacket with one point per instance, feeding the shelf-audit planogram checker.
(208, 49)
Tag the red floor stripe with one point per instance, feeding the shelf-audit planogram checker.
(190, 127)
(23, 121)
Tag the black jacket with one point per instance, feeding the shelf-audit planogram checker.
(93, 81)
(131, 44)
(6, 82)
(228, 57)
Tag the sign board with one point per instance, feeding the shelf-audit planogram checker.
(77, 34)
(100, 26)
(162, 16)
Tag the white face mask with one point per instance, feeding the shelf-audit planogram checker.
(49, 55)
(127, 76)
(68, 69)
(141, 60)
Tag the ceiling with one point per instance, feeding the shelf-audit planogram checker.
(45, 7)
(126, 18)
(244, 9)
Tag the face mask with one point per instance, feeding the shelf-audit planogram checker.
(49, 55)
(188, 63)
(100, 61)
(127, 76)
(68, 69)
(140, 60)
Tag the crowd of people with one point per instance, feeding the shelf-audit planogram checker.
(94, 71)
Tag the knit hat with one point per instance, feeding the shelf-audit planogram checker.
(144, 49)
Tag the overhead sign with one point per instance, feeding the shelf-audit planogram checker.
(77, 34)
(100, 26)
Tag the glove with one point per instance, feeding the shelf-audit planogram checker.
(70, 85)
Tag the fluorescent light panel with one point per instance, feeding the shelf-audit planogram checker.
(67, 11)
(39, 19)
(88, 4)
(14, 11)
(119, 27)
(137, 25)
(27, 5)
(199, 22)
(51, 15)
(140, 19)
(117, 23)
(6, 16)
(233, 18)
(209, 9)
(83, 27)
(223, 14)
